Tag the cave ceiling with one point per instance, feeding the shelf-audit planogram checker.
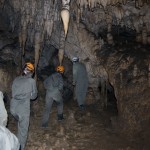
(80, 28)
(76, 27)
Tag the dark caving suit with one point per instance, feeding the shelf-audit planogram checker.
(54, 88)
(80, 79)
(23, 89)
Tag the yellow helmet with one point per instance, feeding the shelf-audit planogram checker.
(30, 66)
(60, 69)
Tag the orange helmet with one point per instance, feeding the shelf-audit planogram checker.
(30, 66)
(60, 69)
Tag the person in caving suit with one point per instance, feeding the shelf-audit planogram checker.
(8, 141)
(24, 89)
(3, 112)
(54, 89)
(80, 81)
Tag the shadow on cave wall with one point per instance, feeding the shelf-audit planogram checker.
(111, 100)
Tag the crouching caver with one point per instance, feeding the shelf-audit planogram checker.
(54, 88)
(23, 89)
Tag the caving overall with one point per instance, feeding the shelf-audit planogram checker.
(23, 89)
(54, 87)
(80, 79)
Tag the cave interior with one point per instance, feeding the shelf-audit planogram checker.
(111, 37)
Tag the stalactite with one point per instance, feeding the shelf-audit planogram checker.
(108, 2)
(48, 27)
(136, 3)
(61, 48)
(110, 39)
(141, 3)
(103, 3)
(37, 48)
(135, 71)
(119, 13)
(89, 3)
(16, 5)
(144, 35)
(65, 18)
(109, 28)
(93, 4)
(65, 15)
(48, 22)
(23, 36)
(78, 16)
(109, 25)
(33, 10)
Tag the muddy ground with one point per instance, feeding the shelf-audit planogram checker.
(81, 130)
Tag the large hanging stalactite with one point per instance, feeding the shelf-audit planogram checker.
(65, 19)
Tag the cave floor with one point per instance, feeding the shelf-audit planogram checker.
(81, 130)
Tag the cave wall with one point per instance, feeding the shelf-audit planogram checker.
(129, 75)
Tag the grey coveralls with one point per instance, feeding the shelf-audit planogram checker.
(8, 141)
(54, 87)
(3, 111)
(80, 78)
(23, 89)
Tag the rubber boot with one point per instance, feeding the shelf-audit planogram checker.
(44, 125)
(82, 107)
(60, 117)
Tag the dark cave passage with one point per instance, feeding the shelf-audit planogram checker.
(111, 100)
